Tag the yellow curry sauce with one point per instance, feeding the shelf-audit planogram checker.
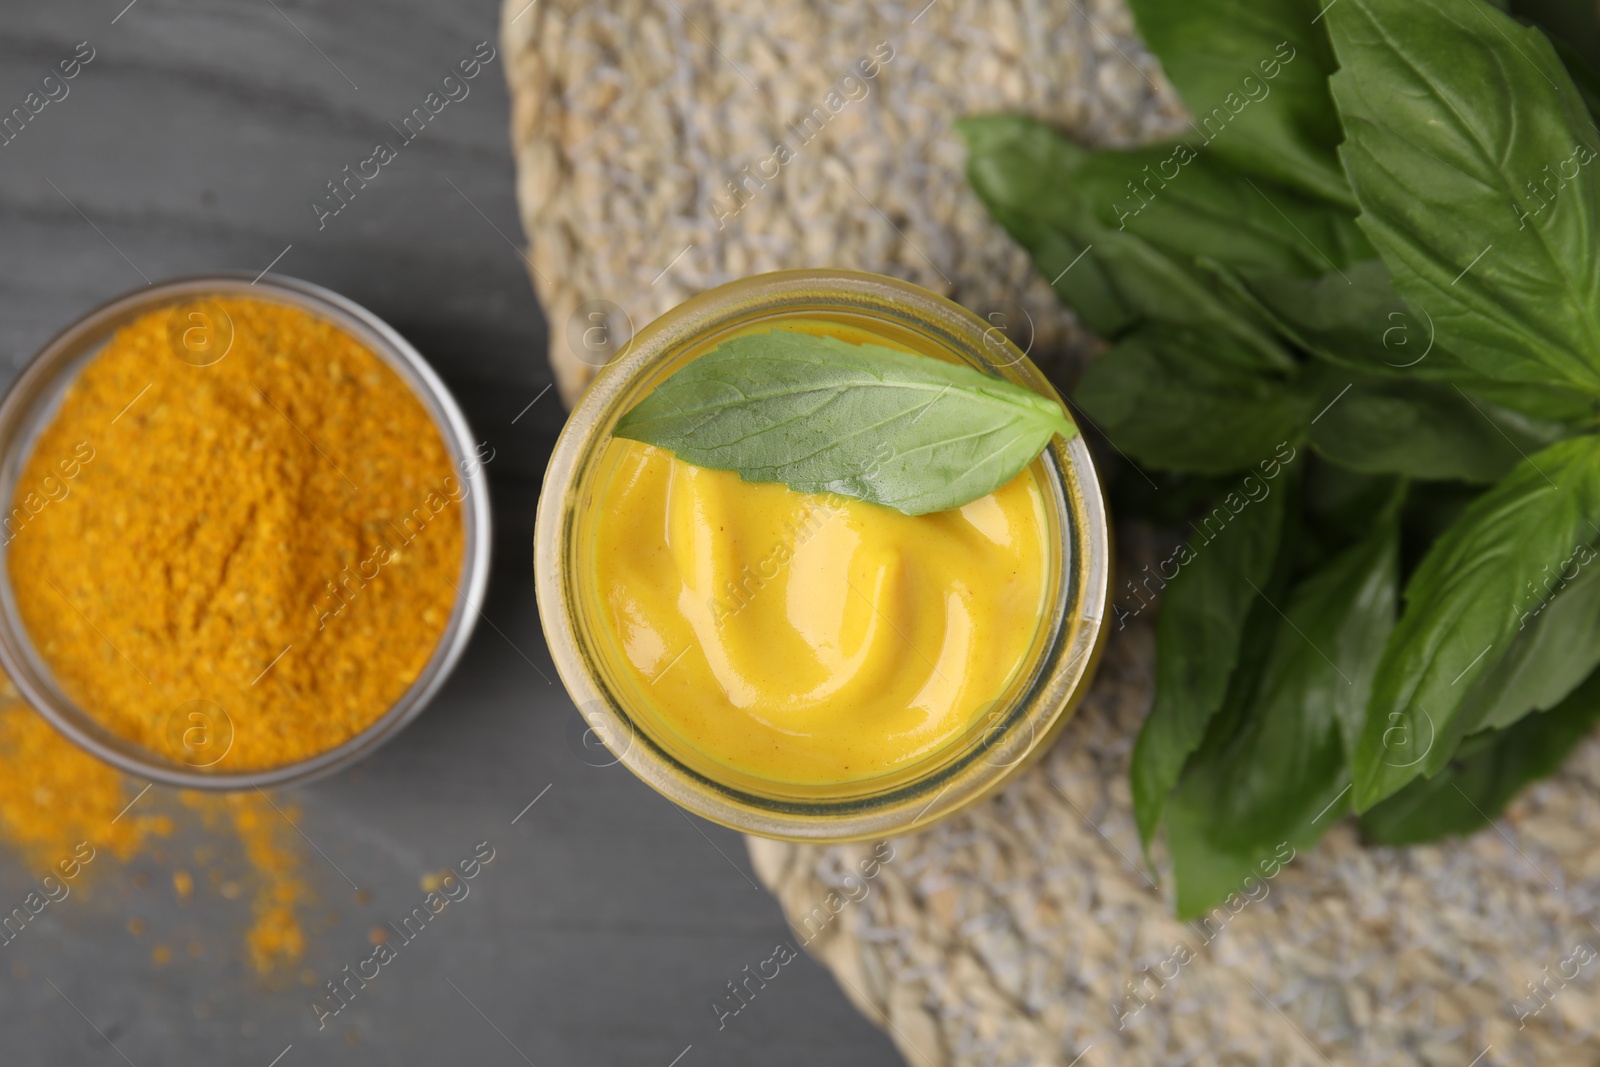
(812, 639)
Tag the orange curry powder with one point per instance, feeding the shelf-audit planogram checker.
(56, 798)
(238, 504)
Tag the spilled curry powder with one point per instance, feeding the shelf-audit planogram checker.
(275, 938)
(277, 534)
(53, 795)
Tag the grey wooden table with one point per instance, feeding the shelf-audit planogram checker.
(196, 139)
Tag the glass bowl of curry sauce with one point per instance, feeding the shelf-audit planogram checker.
(805, 666)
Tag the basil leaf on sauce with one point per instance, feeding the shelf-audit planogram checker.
(1254, 74)
(1489, 768)
(820, 415)
(1478, 174)
(1277, 776)
(1204, 610)
(1464, 605)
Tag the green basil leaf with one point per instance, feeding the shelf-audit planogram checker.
(1172, 293)
(1280, 774)
(1204, 609)
(1488, 770)
(1547, 412)
(1192, 206)
(1081, 282)
(1557, 644)
(1357, 319)
(909, 432)
(1463, 607)
(1142, 220)
(1255, 77)
(1029, 177)
(1173, 404)
(1185, 201)
(1204, 869)
(1452, 113)
(1354, 318)
(1418, 429)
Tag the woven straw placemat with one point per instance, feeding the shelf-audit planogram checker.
(1027, 930)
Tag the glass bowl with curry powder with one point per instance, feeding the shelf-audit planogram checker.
(801, 665)
(246, 532)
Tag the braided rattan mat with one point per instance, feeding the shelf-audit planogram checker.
(1027, 930)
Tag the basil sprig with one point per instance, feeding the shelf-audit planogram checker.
(820, 415)
(1419, 328)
